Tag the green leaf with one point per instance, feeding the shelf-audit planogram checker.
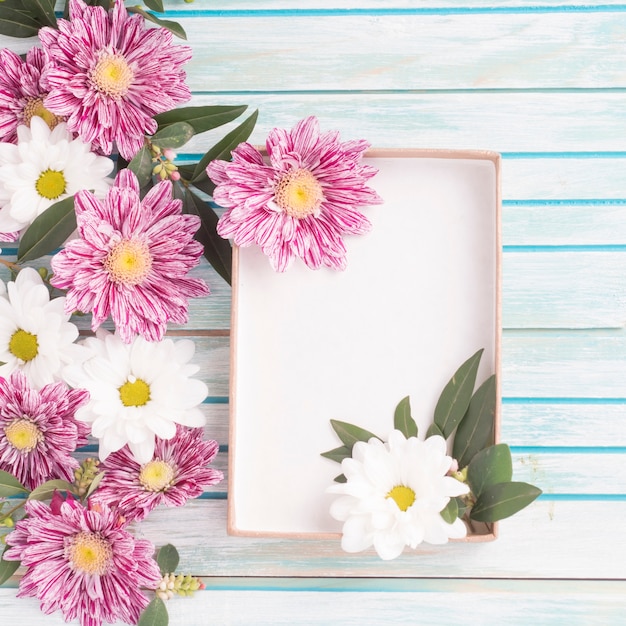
(174, 27)
(10, 486)
(94, 483)
(173, 136)
(46, 491)
(450, 513)
(490, 466)
(155, 5)
(433, 429)
(141, 166)
(17, 23)
(155, 614)
(402, 419)
(461, 507)
(7, 568)
(217, 251)
(476, 428)
(201, 118)
(338, 454)
(350, 434)
(167, 559)
(503, 500)
(340, 479)
(222, 149)
(456, 395)
(42, 11)
(48, 231)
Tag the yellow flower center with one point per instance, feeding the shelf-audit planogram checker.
(51, 184)
(34, 107)
(112, 75)
(23, 345)
(128, 262)
(89, 553)
(135, 392)
(23, 435)
(156, 475)
(299, 194)
(403, 496)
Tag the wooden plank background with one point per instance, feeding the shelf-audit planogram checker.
(543, 82)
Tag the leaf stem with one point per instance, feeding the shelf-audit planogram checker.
(15, 267)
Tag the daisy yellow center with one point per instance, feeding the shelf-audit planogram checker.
(51, 184)
(135, 392)
(89, 553)
(112, 76)
(23, 345)
(34, 107)
(299, 194)
(156, 475)
(403, 496)
(23, 435)
(128, 262)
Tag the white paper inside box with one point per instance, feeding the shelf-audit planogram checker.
(421, 293)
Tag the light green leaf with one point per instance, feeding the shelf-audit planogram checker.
(201, 118)
(167, 559)
(11, 486)
(503, 500)
(174, 27)
(7, 568)
(17, 23)
(402, 419)
(155, 5)
(490, 466)
(173, 136)
(94, 483)
(456, 395)
(338, 454)
(475, 430)
(155, 614)
(48, 231)
(461, 506)
(433, 429)
(450, 513)
(350, 434)
(141, 166)
(217, 251)
(46, 491)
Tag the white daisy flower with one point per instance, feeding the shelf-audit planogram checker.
(138, 391)
(44, 167)
(394, 495)
(35, 334)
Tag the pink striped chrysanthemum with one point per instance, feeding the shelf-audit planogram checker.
(111, 74)
(38, 432)
(177, 472)
(301, 200)
(82, 562)
(23, 88)
(131, 259)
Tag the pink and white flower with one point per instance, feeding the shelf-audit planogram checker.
(111, 74)
(298, 202)
(177, 472)
(131, 259)
(38, 432)
(82, 562)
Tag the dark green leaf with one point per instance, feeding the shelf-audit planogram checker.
(490, 466)
(48, 231)
(141, 166)
(222, 149)
(476, 428)
(94, 483)
(201, 118)
(155, 5)
(10, 486)
(338, 454)
(456, 396)
(186, 171)
(17, 23)
(217, 250)
(450, 513)
(46, 491)
(350, 434)
(340, 479)
(173, 27)
(433, 429)
(402, 419)
(7, 568)
(42, 11)
(155, 614)
(503, 500)
(173, 136)
(167, 559)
